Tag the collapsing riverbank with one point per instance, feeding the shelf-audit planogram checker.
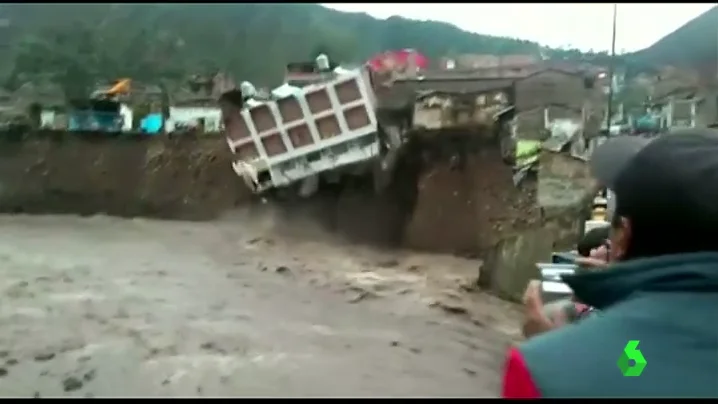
(432, 205)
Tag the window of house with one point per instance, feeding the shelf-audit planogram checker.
(588, 83)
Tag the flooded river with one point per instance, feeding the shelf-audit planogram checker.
(243, 306)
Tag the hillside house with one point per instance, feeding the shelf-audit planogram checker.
(689, 108)
(201, 112)
(670, 80)
(553, 86)
(526, 122)
(442, 109)
(478, 61)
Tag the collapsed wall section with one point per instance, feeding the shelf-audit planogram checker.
(467, 208)
(449, 194)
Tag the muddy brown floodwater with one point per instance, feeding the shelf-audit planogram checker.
(242, 306)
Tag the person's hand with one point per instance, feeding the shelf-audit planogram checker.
(601, 253)
(536, 318)
(597, 259)
(592, 263)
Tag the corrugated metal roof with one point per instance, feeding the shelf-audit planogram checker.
(565, 70)
(484, 73)
(473, 61)
(454, 85)
(403, 92)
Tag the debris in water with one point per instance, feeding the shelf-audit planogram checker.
(71, 384)
(44, 357)
(390, 263)
(451, 308)
(469, 372)
(212, 347)
(89, 376)
(413, 268)
(361, 295)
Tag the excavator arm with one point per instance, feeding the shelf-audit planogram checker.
(121, 87)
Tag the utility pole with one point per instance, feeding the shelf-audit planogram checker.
(611, 72)
(4, 25)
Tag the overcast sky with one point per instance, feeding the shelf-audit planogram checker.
(584, 26)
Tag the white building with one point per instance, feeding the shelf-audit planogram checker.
(193, 115)
(47, 118)
(126, 113)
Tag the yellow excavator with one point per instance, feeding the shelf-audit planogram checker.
(121, 86)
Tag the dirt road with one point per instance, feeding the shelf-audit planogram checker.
(102, 306)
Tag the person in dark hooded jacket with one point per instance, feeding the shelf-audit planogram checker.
(656, 332)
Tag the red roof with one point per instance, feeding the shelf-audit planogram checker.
(397, 60)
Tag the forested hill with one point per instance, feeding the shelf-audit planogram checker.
(695, 44)
(83, 42)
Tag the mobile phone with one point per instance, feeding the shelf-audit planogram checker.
(552, 286)
(552, 271)
(564, 258)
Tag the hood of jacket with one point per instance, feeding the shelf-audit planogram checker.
(692, 272)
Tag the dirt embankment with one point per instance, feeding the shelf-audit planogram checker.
(53, 172)
(467, 208)
(433, 204)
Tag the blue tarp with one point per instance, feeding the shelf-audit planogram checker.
(152, 123)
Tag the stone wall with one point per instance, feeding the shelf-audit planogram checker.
(564, 195)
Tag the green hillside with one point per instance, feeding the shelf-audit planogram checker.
(695, 44)
(77, 44)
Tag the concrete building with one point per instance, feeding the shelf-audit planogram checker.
(553, 86)
(195, 113)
